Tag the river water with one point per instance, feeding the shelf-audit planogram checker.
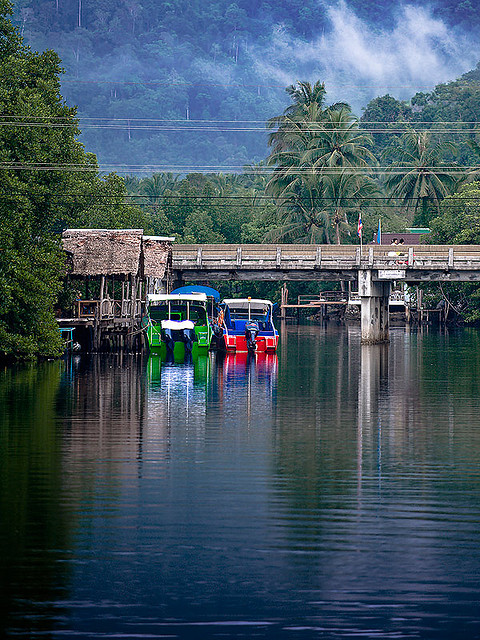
(330, 491)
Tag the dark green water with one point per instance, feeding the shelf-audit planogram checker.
(330, 492)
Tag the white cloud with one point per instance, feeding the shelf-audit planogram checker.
(358, 61)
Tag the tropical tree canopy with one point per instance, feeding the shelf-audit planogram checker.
(419, 175)
(47, 182)
(320, 156)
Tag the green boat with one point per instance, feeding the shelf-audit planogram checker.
(177, 325)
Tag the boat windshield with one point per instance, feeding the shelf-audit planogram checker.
(179, 312)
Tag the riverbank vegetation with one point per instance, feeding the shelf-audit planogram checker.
(47, 182)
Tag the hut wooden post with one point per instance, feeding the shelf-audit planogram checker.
(102, 296)
(131, 324)
(97, 327)
(126, 311)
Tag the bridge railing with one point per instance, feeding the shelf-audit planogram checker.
(288, 256)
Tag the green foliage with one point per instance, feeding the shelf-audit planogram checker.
(205, 209)
(459, 223)
(381, 116)
(319, 155)
(459, 219)
(419, 176)
(47, 182)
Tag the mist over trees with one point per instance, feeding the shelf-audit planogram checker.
(141, 71)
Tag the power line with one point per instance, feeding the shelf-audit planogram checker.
(136, 119)
(187, 127)
(226, 200)
(42, 197)
(453, 170)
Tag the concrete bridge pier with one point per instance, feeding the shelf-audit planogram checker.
(374, 297)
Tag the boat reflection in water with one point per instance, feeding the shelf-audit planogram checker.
(251, 376)
(183, 394)
(177, 394)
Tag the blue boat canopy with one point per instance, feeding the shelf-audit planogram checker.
(208, 291)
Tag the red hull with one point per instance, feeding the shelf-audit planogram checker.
(265, 344)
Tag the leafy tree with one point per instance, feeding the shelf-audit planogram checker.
(382, 116)
(459, 223)
(47, 181)
(213, 208)
(32, 157)
(459, 219)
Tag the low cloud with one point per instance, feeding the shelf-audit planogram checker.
(358, 61)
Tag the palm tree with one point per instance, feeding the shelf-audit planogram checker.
(154, 188)
(419, 176)
(307, 108)
(301, 211)
(310, 147)
(344, 195)
(338, 142)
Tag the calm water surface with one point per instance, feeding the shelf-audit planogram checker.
(332, 491)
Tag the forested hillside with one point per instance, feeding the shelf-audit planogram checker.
(145, 72)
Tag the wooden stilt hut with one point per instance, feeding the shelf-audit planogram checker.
(115, 259)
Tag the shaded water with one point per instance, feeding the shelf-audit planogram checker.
(330, 492)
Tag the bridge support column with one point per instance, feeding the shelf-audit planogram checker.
(374, 298)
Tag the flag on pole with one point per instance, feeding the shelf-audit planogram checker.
(379, 232)
(360, 225)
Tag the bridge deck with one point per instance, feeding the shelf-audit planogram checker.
(327, 262)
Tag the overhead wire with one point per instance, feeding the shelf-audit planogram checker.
(158, 124)
(233, 169)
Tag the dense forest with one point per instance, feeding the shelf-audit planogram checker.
(166, 84)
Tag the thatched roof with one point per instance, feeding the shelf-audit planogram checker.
(157, 252)
(95, 252)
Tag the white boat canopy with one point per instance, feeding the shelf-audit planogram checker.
(154, 298)
(245, 303)
(177, 325)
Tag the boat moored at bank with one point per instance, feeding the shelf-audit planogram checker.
(177, 325)
(248, 325)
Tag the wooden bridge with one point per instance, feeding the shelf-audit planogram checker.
(126, 265)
